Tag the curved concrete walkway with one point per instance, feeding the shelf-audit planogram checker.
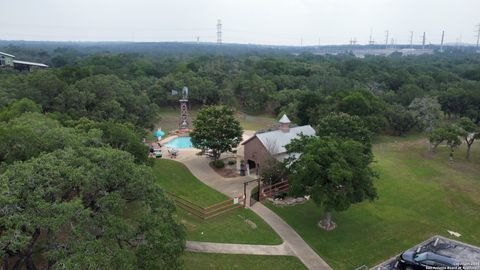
(299, 247)
(232, 187)
(208, 247)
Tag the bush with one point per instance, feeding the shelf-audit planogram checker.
(231, 162)
(281, 195)
(218, 164)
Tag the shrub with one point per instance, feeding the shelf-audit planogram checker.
(231, 162)
(218, 164)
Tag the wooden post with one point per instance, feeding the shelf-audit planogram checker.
(259, 189)
(245, 195)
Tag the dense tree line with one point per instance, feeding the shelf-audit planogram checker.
(130, 87)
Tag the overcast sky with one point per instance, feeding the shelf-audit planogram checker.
(278, 22)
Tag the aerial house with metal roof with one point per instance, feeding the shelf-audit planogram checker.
(8, 60)
(263, 146)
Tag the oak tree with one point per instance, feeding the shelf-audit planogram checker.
(335, 173)
(216, 129)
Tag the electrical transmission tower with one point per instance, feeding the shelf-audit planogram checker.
(219, 32)
(478, 36)
(441, 44)
(370, 39)
(386, 40)
(411, 39)
(423, 41)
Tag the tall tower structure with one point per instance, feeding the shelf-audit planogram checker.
(423, 41)
(441, 44)
(411, 39)
(219, 32)
(478, 36)
(386, 39)
(370, 38)
(184, 123)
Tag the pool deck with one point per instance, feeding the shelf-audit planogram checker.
(168, 139)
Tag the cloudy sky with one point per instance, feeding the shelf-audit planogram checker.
(279, 22)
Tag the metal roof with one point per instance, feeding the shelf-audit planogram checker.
(284, 120)
(29, 63)
(6, 54)
(275, 141)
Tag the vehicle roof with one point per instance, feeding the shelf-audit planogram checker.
(435, 257)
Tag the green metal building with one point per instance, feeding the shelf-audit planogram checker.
(6, 60)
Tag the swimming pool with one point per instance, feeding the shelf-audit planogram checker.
(180, 142)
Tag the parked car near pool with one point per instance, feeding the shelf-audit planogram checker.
(411, 260)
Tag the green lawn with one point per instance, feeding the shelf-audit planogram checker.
(230, 227)
(257, 122)
(175, 177)
(169, 119)
(209, 261)
(420, 195)
(411, 136)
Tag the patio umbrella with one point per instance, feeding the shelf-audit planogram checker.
(158, 133)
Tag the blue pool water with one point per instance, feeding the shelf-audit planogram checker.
(180, 142)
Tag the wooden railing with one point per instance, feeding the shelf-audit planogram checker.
(269, 191)
(209, 211)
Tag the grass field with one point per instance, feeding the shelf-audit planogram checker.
(169, 120)
(420, 195)
(204, 261)
(230, 227)
(256, 122)
(175, 177)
